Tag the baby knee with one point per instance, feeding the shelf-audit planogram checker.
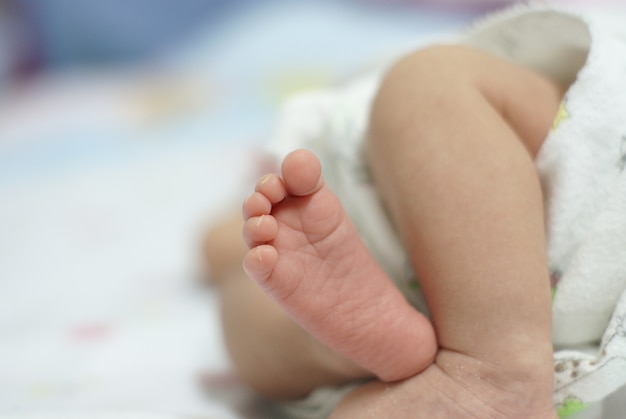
(437, 76)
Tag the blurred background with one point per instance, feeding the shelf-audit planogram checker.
(127, 127)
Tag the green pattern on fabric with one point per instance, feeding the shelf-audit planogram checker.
(570, 407)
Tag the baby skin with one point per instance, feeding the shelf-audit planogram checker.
(308, 256)
(452, 137)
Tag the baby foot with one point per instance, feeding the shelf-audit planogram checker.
(305, 252)
(455, 386)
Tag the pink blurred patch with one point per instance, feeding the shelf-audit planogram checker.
(91, 332)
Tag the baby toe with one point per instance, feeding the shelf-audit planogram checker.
(302, 173)
(259, 230)
(259, 263)
(256, 204)
(272, 187)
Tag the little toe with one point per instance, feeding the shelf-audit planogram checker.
(302, 173)
(272, 187)
(259, 230)
(259, 263)
(256, 204)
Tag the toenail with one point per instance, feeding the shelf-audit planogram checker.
(265, 179)
(259, 221)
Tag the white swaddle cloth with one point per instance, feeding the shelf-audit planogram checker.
(582, 166)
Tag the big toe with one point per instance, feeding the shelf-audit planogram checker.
(302, 173)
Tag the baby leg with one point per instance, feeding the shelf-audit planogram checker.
(453, 136)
